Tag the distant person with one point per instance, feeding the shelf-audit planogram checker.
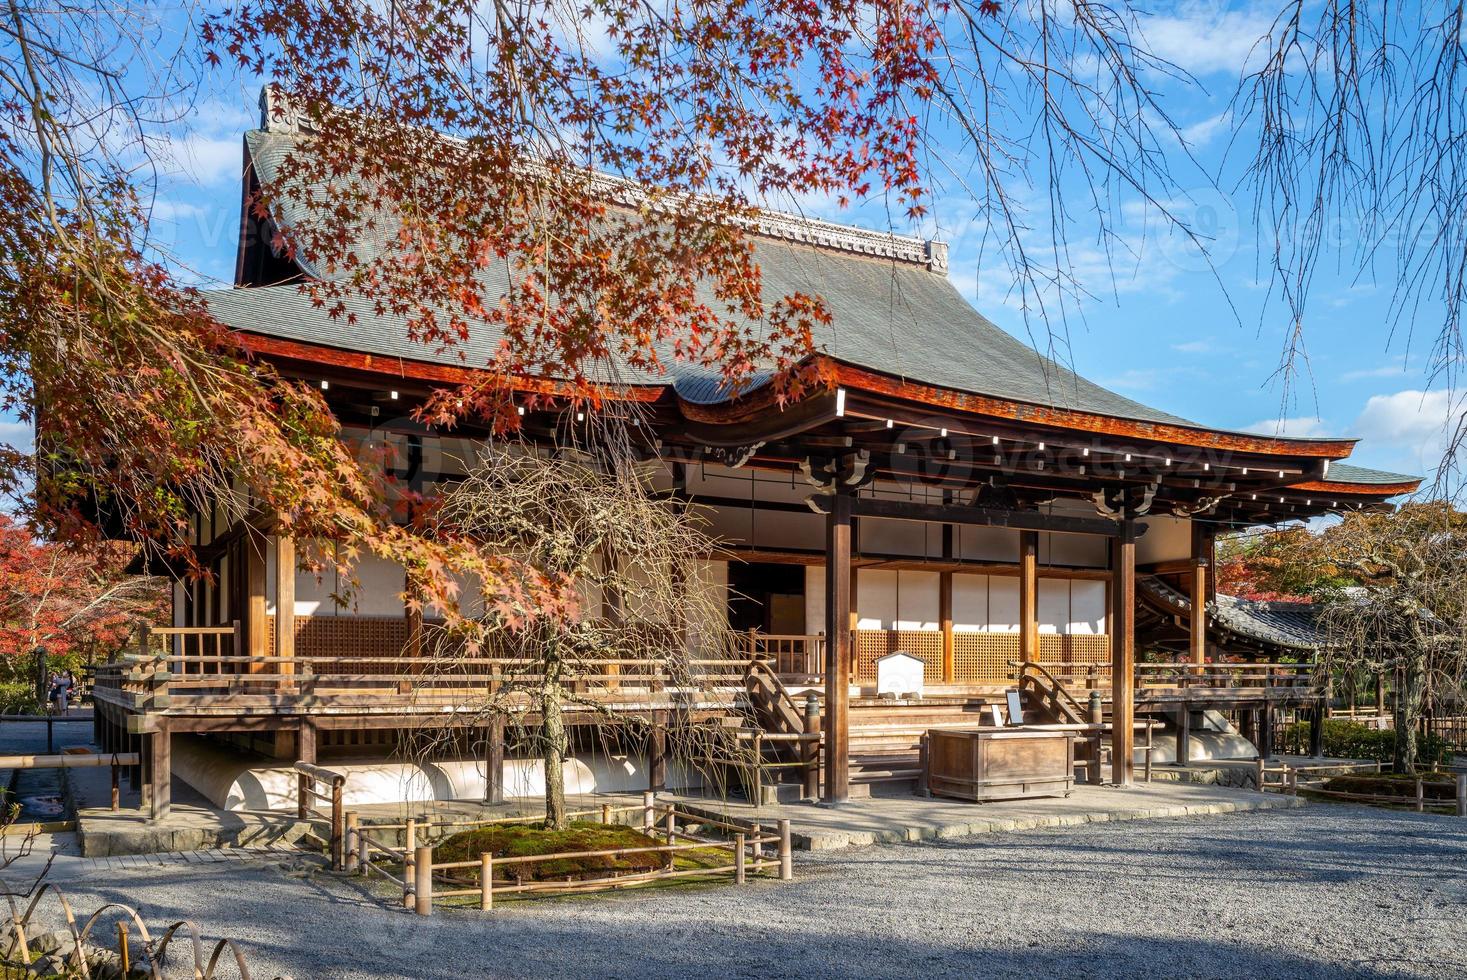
(61, 687)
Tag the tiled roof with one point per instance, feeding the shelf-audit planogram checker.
(1285, 624)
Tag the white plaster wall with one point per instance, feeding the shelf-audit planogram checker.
(815, 598)
(1087, 607)
(970, 603)
(876, 598)
(1166, 539)
(1073, 550)
(878, 536)
(919, 600)
(1003, 604)
(1054, 605)
(180, 604)
(986, 543)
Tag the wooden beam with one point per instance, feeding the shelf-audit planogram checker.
(1029, 596)
(494, 763)
(1025, 520)
(1123, 655)
(160, 771)
(285, 600)
(837, 648)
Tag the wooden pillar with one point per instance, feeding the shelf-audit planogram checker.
(285, 601)
(160, 770)
(1380, 702)
(1184, 736)
(1316, 728)
(838, 647)
(1265, 731)
(305, 743)
(945, 601)
(1029, 596)
(1197, 591)
(494, 763)
(945, 613)
(1123, 655)
(256, 625)
(657, 753)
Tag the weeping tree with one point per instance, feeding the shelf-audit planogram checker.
(1404, 611)
(617, 606)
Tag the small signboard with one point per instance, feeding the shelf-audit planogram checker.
(899, 675)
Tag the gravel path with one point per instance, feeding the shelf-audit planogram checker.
(1325, 891)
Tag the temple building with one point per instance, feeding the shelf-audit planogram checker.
(952, 494)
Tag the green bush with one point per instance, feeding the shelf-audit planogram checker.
(1352, 740)
(19, 698)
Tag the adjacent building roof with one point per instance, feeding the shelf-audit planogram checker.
(1290, 625)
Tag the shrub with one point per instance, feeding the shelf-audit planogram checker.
(1352, 740)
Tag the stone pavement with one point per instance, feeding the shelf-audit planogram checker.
(885, 820)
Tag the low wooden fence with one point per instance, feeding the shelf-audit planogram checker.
(316, 786)
(423, 880)
(116, 760)
(1285, 779)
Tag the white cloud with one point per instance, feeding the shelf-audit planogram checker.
(1301, 427)
(1396, 370)
(207, 160)
(1409, 429)
(19, 435)
(1203, 39)
(1194, 347)
(1201, 133)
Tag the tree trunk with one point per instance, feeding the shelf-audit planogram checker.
(553, 740)
(1408, 715)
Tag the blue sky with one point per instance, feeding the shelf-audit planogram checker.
(1158, 328)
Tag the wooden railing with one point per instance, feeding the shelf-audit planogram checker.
(1185, 675)
(317, 786)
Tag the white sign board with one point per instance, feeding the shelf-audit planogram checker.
(898, 675)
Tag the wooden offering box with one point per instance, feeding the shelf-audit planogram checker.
(1000, 764)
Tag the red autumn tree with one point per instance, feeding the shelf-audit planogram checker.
(64, 601)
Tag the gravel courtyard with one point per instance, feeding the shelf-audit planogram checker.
(1323, 891)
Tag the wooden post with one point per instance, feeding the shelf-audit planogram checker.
(670, 826)
(924, 766)
(1123, 655)
(285, 602)
(649, 811)
(1462, 794)
(1292, 776)
(1184, 735)
(1198, 594)
(838, 648)
(303, 788)
(116, 795)
(1316, 729)
(757, 846)
(738, 859)
(352, 860)
(1029, 596)
(160, 770)
(1259, 775)
(494, 763)
(811, 748)
(787, 862)
(423, 880)
(1380, 704)
(1265, 731)
(605, 814)
(338, 828)
(657, 753)
(1420, 796)
(486, 881)
(409, 855)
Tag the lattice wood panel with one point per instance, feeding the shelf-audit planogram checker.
(1076, 659)
(375, 637)
(871, 645)
(983, 658)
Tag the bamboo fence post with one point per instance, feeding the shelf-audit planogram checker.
(671, 826)
(352, 862)
(758, 843)
(649, 820)
(410, 845)
(786, 861)
(1293, 777)
(606, 813)
(1462, 794)
(1420, 796)
(738, 859)
(123, 952)
(423, 880)
(1259, 776)
(116, 795)
(486, 881)
(364, 849)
